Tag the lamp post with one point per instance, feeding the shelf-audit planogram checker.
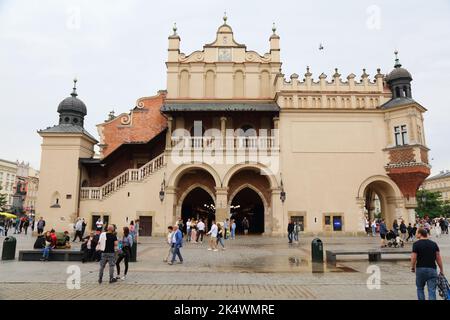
(162, 192)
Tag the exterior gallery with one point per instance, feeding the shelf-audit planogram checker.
(231, 137)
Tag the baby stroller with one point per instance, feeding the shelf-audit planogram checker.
(394, 240)
(443, 287)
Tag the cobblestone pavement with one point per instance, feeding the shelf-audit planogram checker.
(251, 267)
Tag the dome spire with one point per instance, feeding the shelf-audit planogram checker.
(225, 18)
(74, 92)
(397, 61)
(174, 28)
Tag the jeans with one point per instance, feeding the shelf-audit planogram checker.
(290, 237)
(374, 231)
(426, 276)
(296, 236)
(176, 252)
(220, 240)
(124, 256)
(233, 233)
(200, 235)
(111, 259)
(46, 252)
(188, 231)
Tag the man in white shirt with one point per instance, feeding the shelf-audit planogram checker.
(213, 240)
(201, 230)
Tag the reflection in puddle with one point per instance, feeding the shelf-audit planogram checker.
(277, 264)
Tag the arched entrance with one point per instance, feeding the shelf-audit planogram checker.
(381, 198)
(248, 204)
(198, 204)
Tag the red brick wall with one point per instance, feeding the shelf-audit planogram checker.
(145, 124)
(401, 156)
(409, 179)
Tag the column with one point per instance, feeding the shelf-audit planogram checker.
(279, 214)
(276, 133)
(169, 203)
(222, 209)
(223, 128)
(169, 133)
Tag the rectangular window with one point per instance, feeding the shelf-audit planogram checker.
(401, 135)
(327, 220)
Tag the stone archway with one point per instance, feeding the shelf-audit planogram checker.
(384, 191)
(247, 201)
(248, 188)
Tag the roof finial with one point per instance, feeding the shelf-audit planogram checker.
(74, 92)
(174, 28)
(225, 17)
(274, 28)
(397, 61)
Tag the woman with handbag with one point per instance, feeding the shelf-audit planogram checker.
(124, 252)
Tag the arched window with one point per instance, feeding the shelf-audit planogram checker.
(184, 83)
(398, 93)
(55, 200)
(209, 84)
(239, 84)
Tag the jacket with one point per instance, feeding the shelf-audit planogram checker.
(178, 237)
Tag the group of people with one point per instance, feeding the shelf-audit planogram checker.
(196, 229)
(19, 224)
(293, 230)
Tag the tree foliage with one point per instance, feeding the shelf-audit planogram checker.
(431, 204)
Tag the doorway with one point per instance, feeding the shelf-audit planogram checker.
(145, 226)
(198, 204)
(248, 204)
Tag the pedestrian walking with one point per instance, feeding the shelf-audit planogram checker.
(245, 225)
(200, 230)
(132, 229)
(26, 225)
(367, 226)
(374, 227)
(83, 227)
(233, 229)
(99, 224)
(169, 243)
(403, 230)
(177, 243)
(395, 227)
(213, 240)
(193, 236)
(383, 232)
(125, 246)
(188, 230)
(107, 245)
(78, 230)
(220, 236)
(32, 224)
(290, 230)
(425, 254)
(40, 225)
(226, 226)
(296, 231)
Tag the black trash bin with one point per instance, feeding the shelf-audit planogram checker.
(133, 252)
(9, 248)
(317, 250)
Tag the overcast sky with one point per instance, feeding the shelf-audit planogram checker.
(117, 50)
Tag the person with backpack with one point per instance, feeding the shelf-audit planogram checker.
(403, 230)
(290, 230)
(424, 257)
(124, 252)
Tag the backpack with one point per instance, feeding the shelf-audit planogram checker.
(443, 287)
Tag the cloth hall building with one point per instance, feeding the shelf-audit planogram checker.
(232, 136)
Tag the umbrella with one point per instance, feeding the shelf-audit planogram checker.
(8, 215)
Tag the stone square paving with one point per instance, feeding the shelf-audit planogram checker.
(252, 267)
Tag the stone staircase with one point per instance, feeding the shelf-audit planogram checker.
(130, 175)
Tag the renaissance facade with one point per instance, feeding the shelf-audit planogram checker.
(231, 137)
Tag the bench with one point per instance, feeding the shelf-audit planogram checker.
(373, 254)
(55, 255)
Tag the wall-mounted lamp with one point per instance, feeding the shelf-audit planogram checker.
(283, 193)
(163, 186)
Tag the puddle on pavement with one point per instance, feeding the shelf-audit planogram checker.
(280, 264)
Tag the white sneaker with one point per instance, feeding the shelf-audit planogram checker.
(215, 250)
(123, 278)
(209, 249)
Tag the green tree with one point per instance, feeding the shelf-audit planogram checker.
(446, 209)
(3, 199)
(429, 203)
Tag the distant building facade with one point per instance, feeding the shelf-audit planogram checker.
(231, 137)
(439, 183)
(8, 172)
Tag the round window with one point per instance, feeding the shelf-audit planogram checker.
(66, 119)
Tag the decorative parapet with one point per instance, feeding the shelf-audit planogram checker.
(333, 94)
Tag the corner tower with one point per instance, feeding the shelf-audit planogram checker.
(62, 147)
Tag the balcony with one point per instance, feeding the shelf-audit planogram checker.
(262, 143)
